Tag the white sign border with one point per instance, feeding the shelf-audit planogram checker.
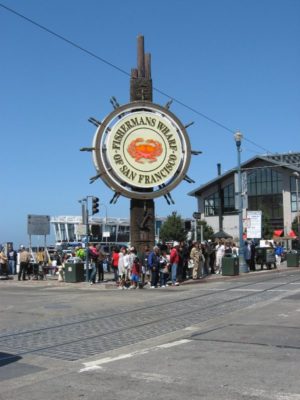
(107, 173)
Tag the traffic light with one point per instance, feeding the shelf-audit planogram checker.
(95, 205)
(187, 225)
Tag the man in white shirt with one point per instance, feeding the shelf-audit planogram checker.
(220, 251)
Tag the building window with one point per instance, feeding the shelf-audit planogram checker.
(264, 181)
(113, 233)
(211, 205)
(228, 198)
(270, 205)
(63, 231)
(71, 232)
(265, 192)
(294, 194)
(123, 233)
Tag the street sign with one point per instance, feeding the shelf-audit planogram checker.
(197, 215)
(81, 230)
(254, 224)
(38, 224)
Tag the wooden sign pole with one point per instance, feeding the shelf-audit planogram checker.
(142, 212)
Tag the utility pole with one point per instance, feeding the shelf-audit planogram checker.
(242, 264)
(142, 212)
(296, 175)
(85, 222)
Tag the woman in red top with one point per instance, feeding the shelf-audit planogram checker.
(174, 260)
(115, 262)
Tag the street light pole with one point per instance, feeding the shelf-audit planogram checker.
(85, 222)
(296, 175)
(243, 267)
(104, 205)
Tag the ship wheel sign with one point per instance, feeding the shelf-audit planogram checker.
(141, 150)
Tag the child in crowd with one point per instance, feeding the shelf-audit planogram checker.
(135, 273)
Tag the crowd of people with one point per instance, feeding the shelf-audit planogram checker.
(172, 263)
(165, 264)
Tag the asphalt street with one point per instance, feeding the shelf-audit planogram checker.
(219, 338)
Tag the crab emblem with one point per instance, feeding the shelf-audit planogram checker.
(149, 150)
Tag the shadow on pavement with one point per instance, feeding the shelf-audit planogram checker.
(7, 358)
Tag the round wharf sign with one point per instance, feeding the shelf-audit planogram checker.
(141, 150)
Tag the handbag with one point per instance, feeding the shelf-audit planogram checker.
(164, 269)
(191, 263)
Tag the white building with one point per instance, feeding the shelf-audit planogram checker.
(70, 229)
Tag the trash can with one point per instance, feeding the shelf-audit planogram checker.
(74, 271)
(230, 265)
(270, 257)
(265, 255)
(292, 259)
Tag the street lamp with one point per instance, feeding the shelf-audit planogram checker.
(238, 136)
(296, 175)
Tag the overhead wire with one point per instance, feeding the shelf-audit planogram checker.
(112, 65)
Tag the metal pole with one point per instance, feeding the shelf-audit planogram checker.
(85, 222)
(296, 174)
(105, 224)
(243, 266)
(87, 242)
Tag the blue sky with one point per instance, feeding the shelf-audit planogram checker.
(235, 61)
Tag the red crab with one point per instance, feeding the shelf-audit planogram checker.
(149, 149)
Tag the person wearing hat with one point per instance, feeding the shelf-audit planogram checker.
(174, 260)
(24, 263)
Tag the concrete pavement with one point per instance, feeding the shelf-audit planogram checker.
(235, 338)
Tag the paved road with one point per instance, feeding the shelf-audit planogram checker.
(226, 338)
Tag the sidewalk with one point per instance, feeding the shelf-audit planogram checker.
(108, 283)
(258, 271)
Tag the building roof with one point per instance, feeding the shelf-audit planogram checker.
(285, 160)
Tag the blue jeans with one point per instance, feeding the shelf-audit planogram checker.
(92, 273)
(163, 278)
(12, 267)
(174, 273)
(116, 273)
